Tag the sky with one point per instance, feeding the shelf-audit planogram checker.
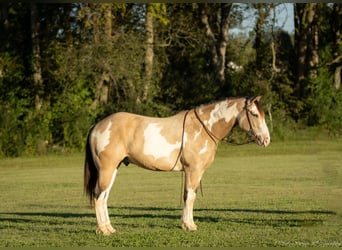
(284, 15)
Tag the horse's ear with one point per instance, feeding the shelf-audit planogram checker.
(254, 99)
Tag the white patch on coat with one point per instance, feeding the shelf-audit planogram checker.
(102, 139)
(156, 144)
(221, 111)
(205, 148)
(197, 134)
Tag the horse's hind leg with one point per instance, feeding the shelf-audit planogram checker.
(106, 180)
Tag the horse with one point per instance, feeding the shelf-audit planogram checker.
(186, 141)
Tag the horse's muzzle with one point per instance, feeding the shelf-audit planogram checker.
(263, 141)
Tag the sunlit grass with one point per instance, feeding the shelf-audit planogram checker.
(285, 195)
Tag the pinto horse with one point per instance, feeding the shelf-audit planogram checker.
(185, 142)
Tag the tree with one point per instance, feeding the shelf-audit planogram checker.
(216, 21)
(263, 12)
(154, 11)
(336, 30)
(149, 54)
(36, 65)
(188, 78)
(306, 42)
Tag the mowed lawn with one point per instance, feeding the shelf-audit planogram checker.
(288, 194)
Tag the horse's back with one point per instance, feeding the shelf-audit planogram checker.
(128, 122)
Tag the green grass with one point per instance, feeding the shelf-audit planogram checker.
(288, 194)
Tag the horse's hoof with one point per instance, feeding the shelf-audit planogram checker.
(105, 230)
(189, 227)
(110, 229)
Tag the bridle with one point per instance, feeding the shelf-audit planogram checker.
(251, 131)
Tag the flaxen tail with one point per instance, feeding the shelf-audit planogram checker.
(90, 171)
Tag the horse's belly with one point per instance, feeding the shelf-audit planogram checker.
(156, 164)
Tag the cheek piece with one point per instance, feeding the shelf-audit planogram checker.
(251, 131)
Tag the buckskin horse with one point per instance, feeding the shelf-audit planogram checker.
(185, 142)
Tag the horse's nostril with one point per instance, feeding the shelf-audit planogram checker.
(267, 141)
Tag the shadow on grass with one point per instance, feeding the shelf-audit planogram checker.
(232, 210)
(159, 212)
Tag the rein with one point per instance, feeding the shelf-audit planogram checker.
(182, 142)
(211, 135)
(181, 150)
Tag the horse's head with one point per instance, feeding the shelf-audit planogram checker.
(252, 120)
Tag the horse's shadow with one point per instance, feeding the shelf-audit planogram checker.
(281, 217)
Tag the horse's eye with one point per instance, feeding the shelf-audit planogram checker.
(255, 114)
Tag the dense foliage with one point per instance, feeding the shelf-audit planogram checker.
(65, 66)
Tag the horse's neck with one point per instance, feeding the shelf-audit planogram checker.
(220, 117)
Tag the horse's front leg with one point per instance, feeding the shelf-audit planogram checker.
(188, 218)
(192, 180)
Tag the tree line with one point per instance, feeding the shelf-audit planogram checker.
(65, 66)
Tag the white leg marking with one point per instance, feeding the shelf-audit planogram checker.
(102, 216)
(107, 195)
(188, 220)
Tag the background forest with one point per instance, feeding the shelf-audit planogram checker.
(65, 66)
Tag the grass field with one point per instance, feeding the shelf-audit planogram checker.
(288, 194)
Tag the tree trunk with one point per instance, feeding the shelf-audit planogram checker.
(224, 36)
(3, 28)
(337, 77)
(66, 25)
(300, 42)
(4, 15)
(218, 43)
(108, 20)
(274, 58)
(313, 56)
(149, 55)
(306, 42)
(102, 91)
(105, 78)
(264, 10)
(105, 23)
(96, 24)
(36, 65)
(336, 23)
